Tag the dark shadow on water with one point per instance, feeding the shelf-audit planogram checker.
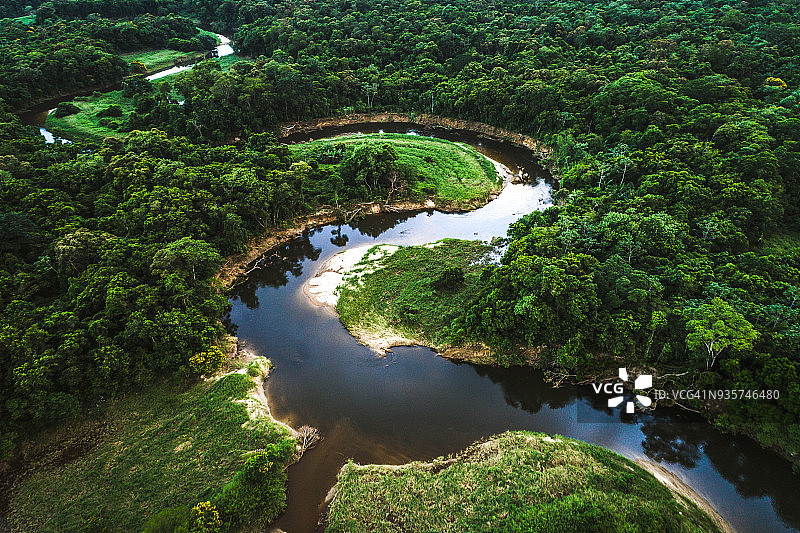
(339, 239)
(522, 388)
(277, 266)
(374, 226)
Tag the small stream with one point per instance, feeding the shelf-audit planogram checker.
(224, 49)
(415, 405)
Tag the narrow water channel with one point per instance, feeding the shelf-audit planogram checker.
(414, 405)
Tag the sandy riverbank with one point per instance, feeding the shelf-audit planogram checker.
(322, 290)
(679, 488)
(239, 360)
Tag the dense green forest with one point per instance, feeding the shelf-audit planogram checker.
(676, 134)
(59, 57)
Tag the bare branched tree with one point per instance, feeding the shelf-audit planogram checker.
(307, 437)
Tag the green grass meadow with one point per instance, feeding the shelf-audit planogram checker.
(28, 20)
(85, 125)
(452, 173)
(515, 482)
(156, 60)
(160, 59)
(162, 448)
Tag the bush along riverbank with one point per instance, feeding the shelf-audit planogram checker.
(517, 481)
(170, 461)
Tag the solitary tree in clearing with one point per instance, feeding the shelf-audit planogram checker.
(716, 326)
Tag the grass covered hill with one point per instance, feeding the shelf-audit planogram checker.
(452, 173)
(515, 482)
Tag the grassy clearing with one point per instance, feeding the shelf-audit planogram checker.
(28, 20)
(156, 60)
(517, 481)
(405, 291)
(783, 243)
(86, 125)
(201, 31)
(450, 172)
(161, 449)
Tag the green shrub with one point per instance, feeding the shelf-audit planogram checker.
(204, 518)
(332, 153)
(65, 109)
(113, 110)
(449, 279)
(258, 490)
(137, 67)
(167, 521)
(207, 362)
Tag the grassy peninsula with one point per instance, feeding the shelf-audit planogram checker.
(411, 292)
(517, 481)
(156, 60)
(452, 173)
(160, 453)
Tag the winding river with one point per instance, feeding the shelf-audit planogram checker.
(415, 405)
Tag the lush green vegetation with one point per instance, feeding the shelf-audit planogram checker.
(675, 134)
(108, 260)
(517, 481)
(109, 255)
(21, 9)
(165, 449)
(415, 291)
(160, 59)
(453, 174)
(57, 57)
(92, 121)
